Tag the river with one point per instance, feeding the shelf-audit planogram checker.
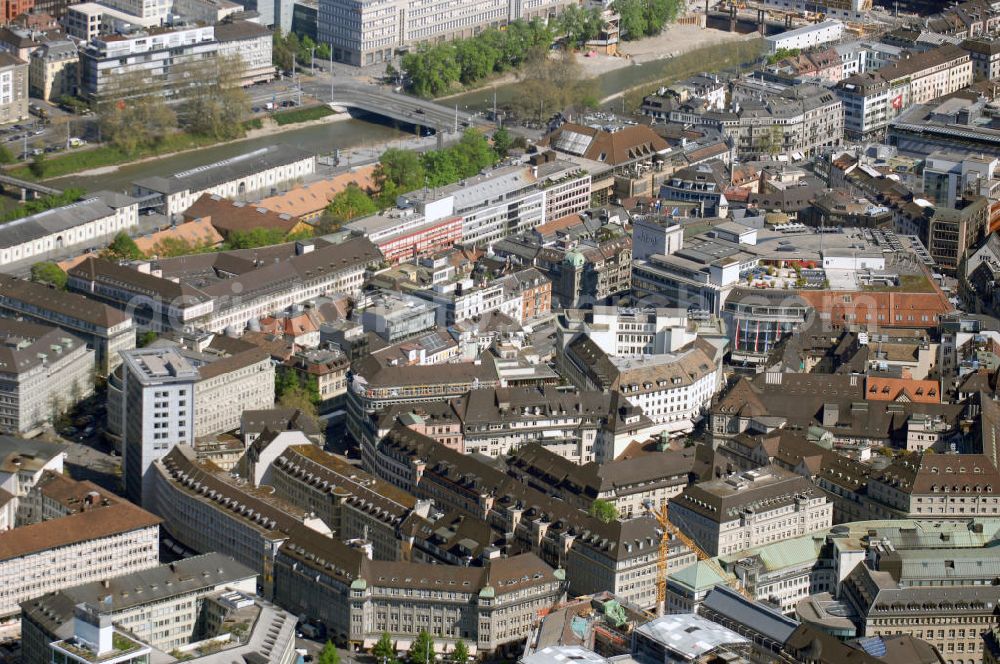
(343, 134)
(322, 139)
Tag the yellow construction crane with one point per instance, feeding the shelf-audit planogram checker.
(668, 530)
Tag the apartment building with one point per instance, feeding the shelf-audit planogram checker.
(620, 556)
(45, 234)
(100, 536)
(328, 367)
(158, 413)
(927, 485)
(366, 32)
(105, 329)
(44, 371)
(175, 591)
(359, 599)
(53, 70)
(13, 88)
(729, 515)
(207, 509)
(161, 55)
(261, 172)
(872, 100)
(177, 293)
(249, 46)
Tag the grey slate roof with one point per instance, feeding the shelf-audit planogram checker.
(725, 601)
(53, 221)
(211, 175)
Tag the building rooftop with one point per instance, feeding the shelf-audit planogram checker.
(155, 366)
(28, 296)
(97, 523)
(689, 635)
(26, 454)
(210, 175)
(149, 586)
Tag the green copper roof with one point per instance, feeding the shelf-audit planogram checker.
(697, 577)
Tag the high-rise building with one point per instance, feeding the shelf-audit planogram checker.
(158, 413)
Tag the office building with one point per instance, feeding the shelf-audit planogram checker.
(96, 535)
(158, 412)
(192, 291)
(874, 99)
(394, 316)
(162, 56)
(357, 599)
(207, 509)
(806, 37)
(249, 46)
(176, 590)
(44, 372)
(366, 32)
(949, 176)
(729, 515)
(105, 329)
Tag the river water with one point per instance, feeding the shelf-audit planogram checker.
(321, 139)
(359, 134)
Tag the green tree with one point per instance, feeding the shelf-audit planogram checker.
(329, 654)
(256, 237)
(146, 338)
(384, 650)
(133, 113)
(633, 18)
(123, 247)
(323, 52)
(603, 510)
(37, 165)
(502, 142)
(48, 272)
(6, 155)
(460, 655)
(398, 172)
(350, 203)
(214, 102)
(422, 649)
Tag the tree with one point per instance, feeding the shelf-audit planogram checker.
(398, 172)
(123, 248)
(633, 18)
(329, 654)
(323, 52)
(460, 655)
(215, 103)
(350, 203)
(146, 338)
(256, 237)
(133, 113)
(553, 85)
(384, 650)
(422, 649)
(502, 142)
(48, 272)
(37, 165)
(6, 155)
(603, 510)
